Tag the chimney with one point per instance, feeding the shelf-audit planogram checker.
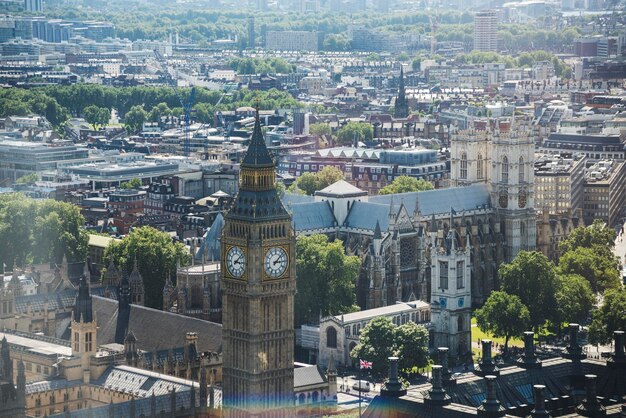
(540, 403)
(591, 407)
(529, 359)
(574, 350)
(437, 395)
(393, 387)
(446, 375)
(491, 407)
(486, 366)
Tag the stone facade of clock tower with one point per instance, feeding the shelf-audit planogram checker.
(258, 287)
(512, 186)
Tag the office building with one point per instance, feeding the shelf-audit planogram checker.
(604, 192)
(33, 6)
(486, 31)
(559, 183)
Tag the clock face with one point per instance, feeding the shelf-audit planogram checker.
(461, 302)
(236, 261)
(276, 262)
(521, 199)
(504, 199)
(443, 302)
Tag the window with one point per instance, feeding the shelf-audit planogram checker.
(443, 275)
(505, 169)
(521, 170)
(460, 283)
(463, 174)
(479, 167)
(76, 342)
(331, 337)
(88, 342)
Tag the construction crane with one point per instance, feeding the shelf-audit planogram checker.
(187, 107)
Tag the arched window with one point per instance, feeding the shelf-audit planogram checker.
(522, 176)
(460, 324)
(463, 174)
(331, 337)
(505, 170)
(315, 396)
(479, 167)
(301, 399)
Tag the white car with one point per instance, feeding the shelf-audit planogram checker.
(361, 386)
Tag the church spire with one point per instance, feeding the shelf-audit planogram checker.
(401, 107)
(83, 311)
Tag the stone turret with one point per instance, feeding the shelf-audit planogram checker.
(486, 365)
(491, 407)
(591, 407)
(529, 359)
(392, 388)
(437, 395)
(539, 411)
(137, 291)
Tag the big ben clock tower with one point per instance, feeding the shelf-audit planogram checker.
(258, 286)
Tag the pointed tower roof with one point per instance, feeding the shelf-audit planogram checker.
(257, 155)
(83, 310)
(111, 272)
(377, 233)
(130, 337)
(135, 276)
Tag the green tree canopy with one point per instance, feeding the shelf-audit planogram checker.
(156, 256)
(575, 299)
(326, 279)
(504, 316)
(600, 271)
(319, 129)
(309, 183)
(610, 317)
(381, 339)
(135, 118)
(27, 178)
(359, 131)
(96, 116)
(131, 184)
(532, 277)
(405, 184)
(40, 231)
(596, 236)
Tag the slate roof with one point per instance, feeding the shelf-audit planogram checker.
(141, 382)
(363, 215)
(382, 311)
(155, 329)
(440, 201)
(314, 215)
(307, 376)
(294, 198)
(56, 301)
(52, 384)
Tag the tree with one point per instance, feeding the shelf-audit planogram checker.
(405, 184)
(601, 272)
(416, 64)
(96, 116)
(574, 298)
(381, 339)
(134, 119)
(412, 346)
(376, 344)
(596, 236)
(326, 279)
(309, 183)
(504, 316)
(355, 131)
(27, 178)
(610, 317)
(328, 175)
(131, 184)
(156, 256)
(319, 129)
(532, 277)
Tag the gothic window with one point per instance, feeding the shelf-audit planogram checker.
(460, 283)
(479, 167)
(460, 323)
(301, 399)
(522, 177)
(331, 337)
(443, 275)
(88, 342)
(505, 170)
(76, 342)
(464, 166)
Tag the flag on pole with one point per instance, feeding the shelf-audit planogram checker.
(364, 364)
